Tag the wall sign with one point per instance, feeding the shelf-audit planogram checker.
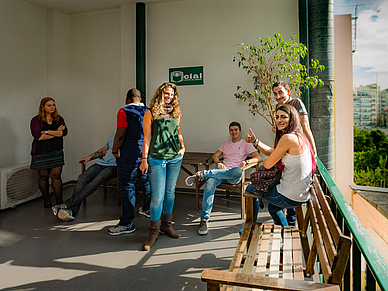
(186, 76)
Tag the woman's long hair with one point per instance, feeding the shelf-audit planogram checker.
(42, 113)
(294, 126)
(157, 102)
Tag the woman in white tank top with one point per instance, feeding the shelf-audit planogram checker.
(293, 154)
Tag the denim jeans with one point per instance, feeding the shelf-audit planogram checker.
(214, 178)
(128, 172)
(276, 203)
(87, 183)
(163, 174)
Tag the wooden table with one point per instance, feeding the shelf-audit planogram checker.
(195, 159)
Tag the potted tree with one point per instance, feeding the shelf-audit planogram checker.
(274, 60)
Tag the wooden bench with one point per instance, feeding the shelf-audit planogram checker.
(271, 257)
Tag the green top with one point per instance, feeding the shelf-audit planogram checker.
(164, 139)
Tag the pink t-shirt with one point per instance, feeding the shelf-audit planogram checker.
(235, 152)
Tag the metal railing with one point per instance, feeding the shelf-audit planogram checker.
(362, 244)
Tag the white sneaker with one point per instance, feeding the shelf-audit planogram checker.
(145, 213)
(57, 207)
(65, 214)
(202, 228)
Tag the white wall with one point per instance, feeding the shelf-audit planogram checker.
(343, 67)
(95, 81)
(22, 76)
(58, 75)
(206, 33)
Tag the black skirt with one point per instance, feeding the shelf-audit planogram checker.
(47, 161)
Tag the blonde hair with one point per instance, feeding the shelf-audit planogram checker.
(42, 113)
(157, 104)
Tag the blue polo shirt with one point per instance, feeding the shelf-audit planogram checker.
(108, 160)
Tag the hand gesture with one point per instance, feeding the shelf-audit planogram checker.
(250, 137)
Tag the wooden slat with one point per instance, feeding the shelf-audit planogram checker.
(297, 256)
(329, 216)
(325, 266)
(240, 250)
(305, 240)
(324, 230)
(253, 281)
(263, 251)
(275, 252)
(287, 253)
(343, 256)
(251, 254)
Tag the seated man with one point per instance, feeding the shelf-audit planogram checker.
(234, 154)
(90, 180)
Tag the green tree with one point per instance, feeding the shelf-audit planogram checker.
(370, 158)
(274, 60)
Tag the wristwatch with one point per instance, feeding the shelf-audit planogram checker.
(46, 132)
(247, 161)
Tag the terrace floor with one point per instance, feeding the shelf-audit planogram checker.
(40, 252)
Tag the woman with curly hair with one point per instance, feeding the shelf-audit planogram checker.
(163, 150)
(294, 156)
(48, 129)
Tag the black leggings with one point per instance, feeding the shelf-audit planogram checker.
(55, 174)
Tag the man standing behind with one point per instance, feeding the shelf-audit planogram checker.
(281, 92)
(89, 181)
(234, 154)
(129, 140)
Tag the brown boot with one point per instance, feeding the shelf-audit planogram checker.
(166, 226)
(154, 234)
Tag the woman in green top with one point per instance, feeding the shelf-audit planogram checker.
(163, 150)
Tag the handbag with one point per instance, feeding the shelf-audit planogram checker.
(266, 180)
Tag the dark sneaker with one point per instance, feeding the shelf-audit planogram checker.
(202, 228)
(65, 214)
(121, 229)
(145, 213)
(57, 207)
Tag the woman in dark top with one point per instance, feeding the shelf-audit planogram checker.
(48, 129)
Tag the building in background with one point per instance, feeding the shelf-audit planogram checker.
(369, 104)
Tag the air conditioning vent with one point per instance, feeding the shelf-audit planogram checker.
(18, 184)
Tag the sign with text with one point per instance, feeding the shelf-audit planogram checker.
(186, 76)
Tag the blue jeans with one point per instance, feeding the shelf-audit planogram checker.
(163, 174)
(87, 183)
(276, 203)
(128, 172)
(214, 178)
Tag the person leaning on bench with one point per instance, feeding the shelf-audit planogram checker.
(234, 153)
(294, 155)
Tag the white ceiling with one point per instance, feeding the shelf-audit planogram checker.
(77, 6)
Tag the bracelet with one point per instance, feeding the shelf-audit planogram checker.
(218, 162)
(254, 143)
(115, 152)
(144, 158)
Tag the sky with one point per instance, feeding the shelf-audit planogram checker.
(370, 61)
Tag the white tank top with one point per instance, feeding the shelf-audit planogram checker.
(296, 176)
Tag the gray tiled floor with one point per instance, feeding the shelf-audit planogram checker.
(40, 252)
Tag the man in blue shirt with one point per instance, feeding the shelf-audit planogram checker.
(89, 181)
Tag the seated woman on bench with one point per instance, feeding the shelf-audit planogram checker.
(294, 155)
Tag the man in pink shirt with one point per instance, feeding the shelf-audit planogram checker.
(234, 153)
